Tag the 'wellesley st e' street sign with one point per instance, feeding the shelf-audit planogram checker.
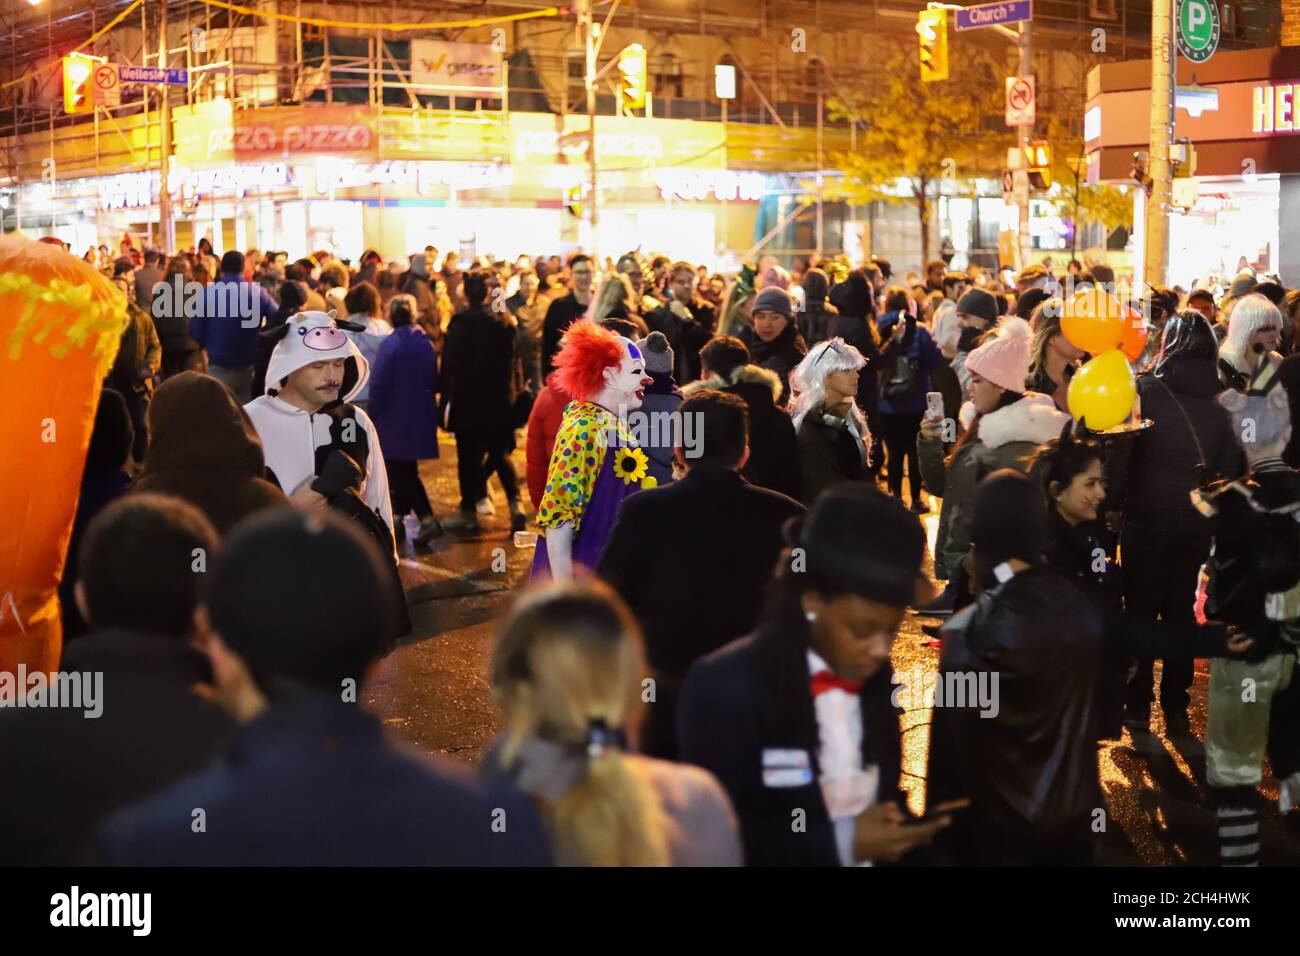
(994, 14)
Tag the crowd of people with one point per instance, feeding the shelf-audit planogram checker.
(699, 671)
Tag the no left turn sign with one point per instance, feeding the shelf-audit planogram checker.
(108, 90)
(1020, 101)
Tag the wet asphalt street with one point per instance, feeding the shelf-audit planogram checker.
(433, 691)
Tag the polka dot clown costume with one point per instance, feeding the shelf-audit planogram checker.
(596, 462)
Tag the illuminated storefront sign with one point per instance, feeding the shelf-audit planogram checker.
(608, 145)
(333, 174)
(141, 189)
(1273, 109)
(704, 184)
(438, 64)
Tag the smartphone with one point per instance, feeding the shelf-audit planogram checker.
(934, 405)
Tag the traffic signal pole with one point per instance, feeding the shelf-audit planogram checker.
(1026, 68)
(166, 227)
(1163, 62)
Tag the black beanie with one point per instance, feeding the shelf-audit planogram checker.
(1010, 519)
(302, 598)
(861, 541)
(979, 303)
(1029, 300)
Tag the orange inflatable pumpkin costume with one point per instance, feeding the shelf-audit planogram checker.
(60, 323)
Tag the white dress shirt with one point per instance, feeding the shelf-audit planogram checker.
(847, 787)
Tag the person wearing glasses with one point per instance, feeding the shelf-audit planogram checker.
(1248, 357)
(834, 442)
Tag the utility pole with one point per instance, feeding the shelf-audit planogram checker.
(167, 228)
(1163, 65)
(1022, 140)
(590, 35)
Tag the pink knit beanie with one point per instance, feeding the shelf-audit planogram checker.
(1003, 359)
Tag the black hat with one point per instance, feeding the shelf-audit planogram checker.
(979, 303)
(1010, 519)
(1029, 300)
(859, 540)
(302, 598)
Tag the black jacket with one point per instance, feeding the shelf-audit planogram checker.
(692, 560)
(560, 314)
(65, 773)
(827, 455)
(856, 331)
(751, 699)
(477, 377)
(315, 782)
(780, 355)
(685, 337)
(1030, 770)
(1151, 476)
(1288, 374)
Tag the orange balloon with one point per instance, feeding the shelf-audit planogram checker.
(1093, 320)
(1134, 342)
(60, 323)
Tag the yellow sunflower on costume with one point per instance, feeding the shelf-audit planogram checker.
(630, 464)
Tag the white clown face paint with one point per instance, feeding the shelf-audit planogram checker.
(628, 382)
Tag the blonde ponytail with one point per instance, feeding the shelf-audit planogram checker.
(568, 658)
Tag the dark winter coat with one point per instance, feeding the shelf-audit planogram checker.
(315, 782)
(1007, 439)
(76, 771)
(753, 697)
(662, 398)
(917, 348)
(1030, 770)
(780, 355)
(203, 448)
(856, 330)
(686, 338)
(560, 314)
(1151, 475)
(695, 603)
(828, 455)
(478, 365)
(773, 448)
(404, 395)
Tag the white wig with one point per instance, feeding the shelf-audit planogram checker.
(808, 380)
(1249, 314)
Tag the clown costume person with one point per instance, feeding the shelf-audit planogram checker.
(596, 462)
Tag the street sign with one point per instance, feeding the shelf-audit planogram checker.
(995, 14)
(108, 91)
(1020, 101)
(1198, 29)
(173, 76)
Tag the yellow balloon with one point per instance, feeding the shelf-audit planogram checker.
(1102, 392)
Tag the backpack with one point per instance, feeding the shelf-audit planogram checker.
(901, 380)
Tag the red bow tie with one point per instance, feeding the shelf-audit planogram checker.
(823, 681)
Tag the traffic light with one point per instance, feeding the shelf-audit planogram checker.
(1038, 160)
(632, 85)
(932, 25)
(76, 84)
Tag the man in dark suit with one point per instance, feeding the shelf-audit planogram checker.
(299, 614)
(477, 381)
(797, 721)
(692, 559)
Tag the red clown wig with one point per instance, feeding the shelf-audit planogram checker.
(585, 352)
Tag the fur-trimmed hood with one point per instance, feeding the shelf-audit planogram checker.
(742, 373)
(1035, 418)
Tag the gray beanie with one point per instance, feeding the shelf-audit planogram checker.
(658, 353)
(774, 299)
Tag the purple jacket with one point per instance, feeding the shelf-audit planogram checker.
(403, 395)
